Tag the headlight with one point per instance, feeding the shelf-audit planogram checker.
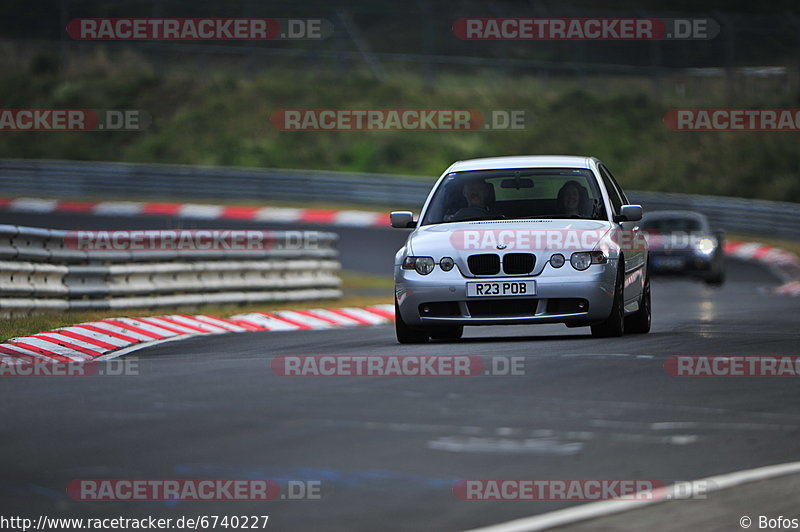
(557, 260)
(423, 265)
(446, 264)
(705, 246)
(584, 259)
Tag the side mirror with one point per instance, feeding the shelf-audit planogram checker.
(629, 213)
(402, 219)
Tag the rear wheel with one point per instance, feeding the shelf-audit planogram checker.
(614, 325)
(639, 321)
(447, 333)
(406, 334)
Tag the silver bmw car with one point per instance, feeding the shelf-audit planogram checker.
(519, 240)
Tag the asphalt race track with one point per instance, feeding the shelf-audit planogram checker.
(387, 451)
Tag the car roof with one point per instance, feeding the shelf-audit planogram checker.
(523, 161)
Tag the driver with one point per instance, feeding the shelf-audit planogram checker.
(477, 194)
(480, 197)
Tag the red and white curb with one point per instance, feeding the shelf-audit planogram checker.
(785, 263)
(344, 218)
(109, 338)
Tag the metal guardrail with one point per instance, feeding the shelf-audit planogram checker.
(39, 271)
(82, 179)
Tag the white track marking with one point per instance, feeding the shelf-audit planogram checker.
(272, 324)
(56, 337)
(33, 205)
(52, 347)
(119, 330)
(94, 335)
(136, 347)
(147, 326)
(314, 323)
(338, 318)
(277, 214)
(194, 322)
(211, 320)
(595, 510)
(196, 210)
(120, 208)
(364, 314)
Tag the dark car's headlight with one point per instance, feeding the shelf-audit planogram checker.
(584, 259)
(422, 265)
(705, 246)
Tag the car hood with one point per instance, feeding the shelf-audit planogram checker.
(542, 238)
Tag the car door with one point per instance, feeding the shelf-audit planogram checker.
(635, 255)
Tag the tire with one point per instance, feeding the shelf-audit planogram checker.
(716, 279)
(639, 321)
(447, 333)
(614, 325)
(406, 334)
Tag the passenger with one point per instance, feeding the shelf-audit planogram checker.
(573, 200)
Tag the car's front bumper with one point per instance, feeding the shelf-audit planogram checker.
(562, 296)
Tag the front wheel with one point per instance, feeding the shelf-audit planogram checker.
(716, 279)
(639, 321)
(406, 334)
(614, 325)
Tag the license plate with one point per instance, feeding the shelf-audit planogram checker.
(673, 263)
(501, 288)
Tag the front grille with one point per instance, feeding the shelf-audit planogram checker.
(518, 263)
(486, 264)
(505, 307)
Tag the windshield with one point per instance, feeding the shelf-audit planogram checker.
(515, 194)
(672, 225)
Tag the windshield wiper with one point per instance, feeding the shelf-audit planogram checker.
(549, 216)
(481, 218)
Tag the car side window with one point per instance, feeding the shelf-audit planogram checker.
(619, 188)
(613, 193)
